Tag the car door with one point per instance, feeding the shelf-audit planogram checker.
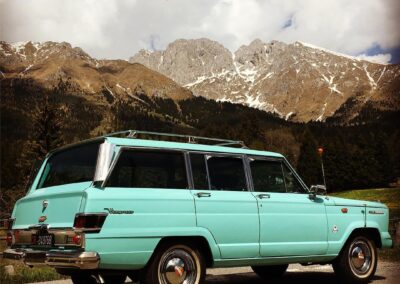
(224, 205)
(151, 183)
(291, 224)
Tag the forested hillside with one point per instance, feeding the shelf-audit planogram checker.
(35, 120)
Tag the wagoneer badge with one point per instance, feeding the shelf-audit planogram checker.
(112, 211)
(42, 219)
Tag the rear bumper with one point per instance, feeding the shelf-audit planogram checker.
(55, 258)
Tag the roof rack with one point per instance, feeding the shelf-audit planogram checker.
(189, 138)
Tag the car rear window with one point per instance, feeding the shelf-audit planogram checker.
(72, 165)
(149, 169)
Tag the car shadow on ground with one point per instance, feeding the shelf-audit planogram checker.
(288, 278)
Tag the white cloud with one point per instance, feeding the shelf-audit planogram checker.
(378, 58)
(119, 28)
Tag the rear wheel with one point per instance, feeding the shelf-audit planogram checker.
(270, 271)
(357, 262)
(175, 264)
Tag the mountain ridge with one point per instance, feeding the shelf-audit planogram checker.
(297, 81)
(49, 61)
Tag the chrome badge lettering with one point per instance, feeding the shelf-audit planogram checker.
(112, 211)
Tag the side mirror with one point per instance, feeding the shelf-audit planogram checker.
(104, 159)
(317, 190)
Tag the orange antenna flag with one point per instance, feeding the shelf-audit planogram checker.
(320, 151)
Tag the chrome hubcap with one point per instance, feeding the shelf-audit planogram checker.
(177, 267)
(360, 257)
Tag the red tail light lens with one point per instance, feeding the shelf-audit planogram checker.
(77, 239)
(89, 222)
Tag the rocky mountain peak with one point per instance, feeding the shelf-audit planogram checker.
(188, 59)
(297, 81)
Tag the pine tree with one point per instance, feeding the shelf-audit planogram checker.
(46, 134)
(47, 128)
(309, 164)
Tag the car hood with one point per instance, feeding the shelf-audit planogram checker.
(337, 201)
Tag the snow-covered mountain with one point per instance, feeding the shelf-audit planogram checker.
(298, 81)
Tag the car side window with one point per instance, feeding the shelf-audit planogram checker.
(199, 171)
(226, 173)
(149, 169)
(292, 183)
(267, 176)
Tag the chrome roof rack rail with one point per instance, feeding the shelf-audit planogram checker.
(188, 138)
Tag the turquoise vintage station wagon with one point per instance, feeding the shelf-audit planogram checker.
(163, 212)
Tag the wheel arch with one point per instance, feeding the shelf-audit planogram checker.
(199, 242)
(372, 233)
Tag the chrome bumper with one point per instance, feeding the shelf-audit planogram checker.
(58, 259)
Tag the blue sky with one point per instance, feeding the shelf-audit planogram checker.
(376, 50)
(119, 28)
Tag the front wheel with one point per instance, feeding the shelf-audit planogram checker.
(357, 262)
(175, 264)
(270, 271)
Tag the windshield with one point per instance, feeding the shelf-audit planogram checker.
(73, 165)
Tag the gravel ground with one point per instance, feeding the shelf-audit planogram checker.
(387, 272)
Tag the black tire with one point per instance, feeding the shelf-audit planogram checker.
(270, 271)
(84, 278)
(176, 262)
(357, 261)
(114, 278)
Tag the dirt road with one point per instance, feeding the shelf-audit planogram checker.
(387, 272)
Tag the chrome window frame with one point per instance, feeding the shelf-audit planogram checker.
(283, 162)
(156, 149)
(246, 158)
(221, 154)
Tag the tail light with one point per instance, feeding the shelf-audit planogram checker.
(89, 222)
(7, 224)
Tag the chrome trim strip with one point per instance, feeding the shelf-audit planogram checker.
(62, 237)
(58, 259)
(376, 212)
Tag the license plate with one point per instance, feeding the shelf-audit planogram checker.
(44, 240)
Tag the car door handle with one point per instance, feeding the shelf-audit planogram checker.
(203, 194)
(263, 195)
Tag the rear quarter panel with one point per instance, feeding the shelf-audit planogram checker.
(127, 241)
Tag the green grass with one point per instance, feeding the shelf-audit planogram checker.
(388, 196)
(24, 274)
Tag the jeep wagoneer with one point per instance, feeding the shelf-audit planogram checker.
(163, 212)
